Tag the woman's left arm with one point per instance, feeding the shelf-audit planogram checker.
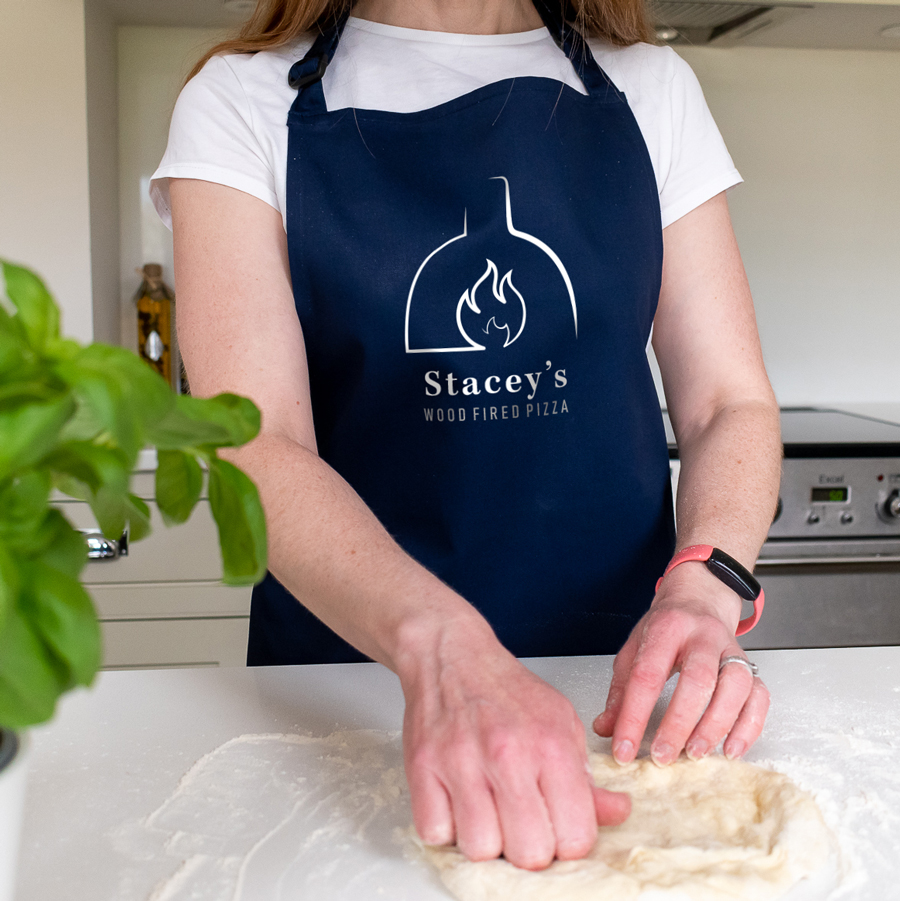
(726, 421)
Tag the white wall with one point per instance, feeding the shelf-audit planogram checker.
(44, 196)
(153, 63)
(103, 168)
(816, 135)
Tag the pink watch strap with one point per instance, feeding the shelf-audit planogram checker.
(701, 553)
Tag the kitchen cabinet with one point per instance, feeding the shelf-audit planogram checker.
(163, 604)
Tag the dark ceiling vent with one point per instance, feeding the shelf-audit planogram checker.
(703, 23)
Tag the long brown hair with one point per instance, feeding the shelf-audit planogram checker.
(278, 22)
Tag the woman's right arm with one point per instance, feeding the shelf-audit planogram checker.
(495, 757)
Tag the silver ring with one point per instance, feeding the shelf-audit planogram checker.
(736, 658)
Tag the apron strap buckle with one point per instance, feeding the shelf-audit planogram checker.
(308, 70)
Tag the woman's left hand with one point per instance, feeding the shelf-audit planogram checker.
(689, 629)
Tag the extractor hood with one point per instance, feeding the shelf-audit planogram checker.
(823, 24)
(718, 23)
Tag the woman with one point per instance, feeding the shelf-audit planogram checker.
(438, 281)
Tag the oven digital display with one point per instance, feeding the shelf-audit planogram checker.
(830, 495)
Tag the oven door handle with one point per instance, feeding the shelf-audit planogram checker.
(824, 561)
(834, 553)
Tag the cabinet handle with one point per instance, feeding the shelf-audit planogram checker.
(102, 548)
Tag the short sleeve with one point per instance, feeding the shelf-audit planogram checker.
(213, 137)
(689, 157)
(700, 165)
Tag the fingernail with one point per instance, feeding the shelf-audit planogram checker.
(735, 749)
(661, 753)
(602, 727)
(697, 749)
(623, 751)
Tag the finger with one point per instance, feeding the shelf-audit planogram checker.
(478, 832)
(696, 685)
(611, 808)
(750, 722)
(568, 793)
(528, 839)
(431, 810)
(649, 673)
(605, 723)
(733, 688)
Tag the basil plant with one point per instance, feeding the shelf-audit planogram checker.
(73, 419)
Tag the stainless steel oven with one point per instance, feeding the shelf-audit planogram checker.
(831, 564)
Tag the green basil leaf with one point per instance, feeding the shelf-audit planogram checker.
(10, 324)
(14, 353)
(23, 514)
(72, 487)
(115, 511)
(91, 464)
(9, 585)
(43, 534)
(84, 425)
(60, 545)
(31, 678)
(37, 312)
(23, 503)
(18, 389)
(179, 481)
(29, 431)
(138, 518)
(110, 510)
(105, 406)
(225, 420)
(62, 613)
(144, 387)
(242, 528)
(63, 349)
(120, 392)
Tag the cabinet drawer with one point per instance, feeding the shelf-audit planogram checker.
(189, 552)
(156, 600)
(146, 644)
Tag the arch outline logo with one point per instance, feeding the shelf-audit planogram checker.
(489, 284)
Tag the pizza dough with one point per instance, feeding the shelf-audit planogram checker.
(705, 830)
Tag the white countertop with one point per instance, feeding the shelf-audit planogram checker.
(110, 815)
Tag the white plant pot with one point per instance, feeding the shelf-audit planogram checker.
(13, 754)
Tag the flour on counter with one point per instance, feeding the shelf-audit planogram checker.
(853, 772)
(287, 817)
(250, 821)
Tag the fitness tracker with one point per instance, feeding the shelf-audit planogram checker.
(725, 568)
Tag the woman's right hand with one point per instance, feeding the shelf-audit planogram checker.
(496, 758)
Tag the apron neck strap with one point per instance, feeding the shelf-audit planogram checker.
(306, 74)
(557, 16)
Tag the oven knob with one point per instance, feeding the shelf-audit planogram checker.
(892, 505)
(813, 518)
(846, 517)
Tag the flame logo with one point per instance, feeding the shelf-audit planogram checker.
(498, 314)
(510, 312)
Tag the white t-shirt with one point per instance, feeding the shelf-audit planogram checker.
(229, 125)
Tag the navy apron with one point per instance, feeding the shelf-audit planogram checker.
(476, 284)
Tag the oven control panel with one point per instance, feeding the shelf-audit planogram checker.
(838, 498)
